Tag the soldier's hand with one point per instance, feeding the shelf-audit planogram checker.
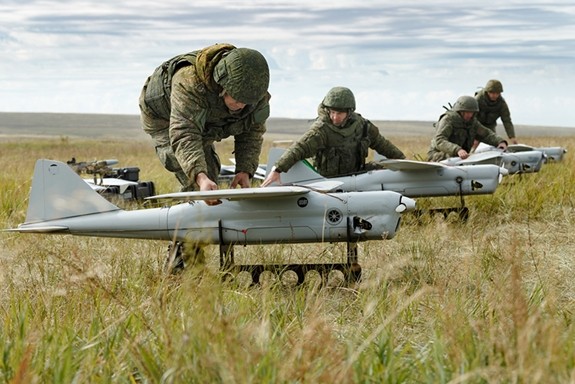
(206, 184)
(242, 179)
(462, 153)
(502, 145)
(273, 177)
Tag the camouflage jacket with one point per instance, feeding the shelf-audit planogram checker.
(490, 111)
(453, 133)
(338, 150)
(182, 90)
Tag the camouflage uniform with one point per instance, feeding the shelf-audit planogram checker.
(453, 133)
(183, 110)
(490, 111)
(338, 150)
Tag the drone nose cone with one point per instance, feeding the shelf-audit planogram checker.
(405, 205)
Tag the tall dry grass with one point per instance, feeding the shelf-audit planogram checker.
(489, 300)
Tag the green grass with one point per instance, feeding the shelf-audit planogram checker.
(489, 300)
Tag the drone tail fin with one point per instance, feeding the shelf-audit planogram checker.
(58, 192)
(302, 172)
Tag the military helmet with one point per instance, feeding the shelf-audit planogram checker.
(244, 74)
(466, 103)
(494, 86)
(339, 98)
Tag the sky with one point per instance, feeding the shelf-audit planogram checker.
(404, 60)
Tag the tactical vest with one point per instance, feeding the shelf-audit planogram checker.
(489, 111)
(447, 109)
(463, 132)
(159, 86)
(343, 155)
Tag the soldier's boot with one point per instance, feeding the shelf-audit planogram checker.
(182, 256)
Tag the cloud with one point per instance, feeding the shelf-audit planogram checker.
(403, 60)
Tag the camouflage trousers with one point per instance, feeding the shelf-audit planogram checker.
(168, 159)
(158, 129)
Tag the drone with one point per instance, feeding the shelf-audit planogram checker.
(61, 202)
(552, 154)
(111, 182)
(517, 160)
(409, 177)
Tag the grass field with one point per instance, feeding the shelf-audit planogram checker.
(486, 301)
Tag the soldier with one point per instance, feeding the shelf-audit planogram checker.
(339, 140)
(197, 98)
(457, 129)
(493, 106)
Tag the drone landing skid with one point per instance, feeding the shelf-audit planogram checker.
(462, 211)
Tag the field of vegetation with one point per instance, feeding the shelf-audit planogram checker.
(488, 300)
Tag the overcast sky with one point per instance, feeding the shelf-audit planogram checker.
(403, 59)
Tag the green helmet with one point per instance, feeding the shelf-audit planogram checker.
(466, 103)
(339, 98)
(494, 86)
(244, 74)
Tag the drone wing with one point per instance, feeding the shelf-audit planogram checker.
(487, 157)
(235, 194)
(519, 148)
(410, 165)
